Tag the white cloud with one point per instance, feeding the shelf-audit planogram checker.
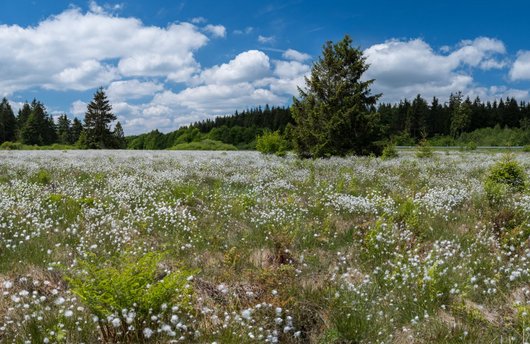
(88, 74)
(266, 39)
(132, 89)
(65, 51)
(216, 30)
(247, 66)
(245, 31)
(521, 67)
(78, 108)
(403, 69)
(199, 20)
(290, 69)
(291, 54)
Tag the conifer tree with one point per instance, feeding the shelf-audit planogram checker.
(75, 132)
(8, 123)
(64, 129)
(119, 137)
(98, 118)
(335, 114)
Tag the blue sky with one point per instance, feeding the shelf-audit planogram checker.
(167, 63)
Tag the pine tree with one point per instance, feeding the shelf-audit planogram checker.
(8, 123)
(22, 118)
(98, 118)
(39, 128)
(76, 129)
(334, 113)
(119, 137)
(64, 130)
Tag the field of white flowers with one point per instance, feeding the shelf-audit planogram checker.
(237, 247)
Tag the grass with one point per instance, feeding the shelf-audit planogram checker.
(208, 145)
(259, 248)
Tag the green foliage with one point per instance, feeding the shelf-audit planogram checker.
(507, 172)
(11, 146)
(424, 149)
(271, 143)
(98, 118)
(526, 149)
(204, 145)
(129, 283)
(8, 123)
(42, 177)
(335, 114)
(389, 152)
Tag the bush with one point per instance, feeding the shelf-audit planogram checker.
(507, 172)
(424, 150)
(526, 149)
(126, 293)
(389, 152)
(11, 146)
(207, 144)
(271, 143)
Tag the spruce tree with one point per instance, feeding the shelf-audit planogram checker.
(335, 114)
(119, 137)
(39, 128)
(76, 129)
(22, 118)
(98, 118)
(64, 130)
(8, 123)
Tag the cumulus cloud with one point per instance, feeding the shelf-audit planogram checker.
(266, 39)
(78, 108)
(216, 30)
(521, 67)
(247, 66)
(66, 50)
(291, 54)
(405, 68)
(132, 89)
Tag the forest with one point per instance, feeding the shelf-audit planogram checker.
(459, 121)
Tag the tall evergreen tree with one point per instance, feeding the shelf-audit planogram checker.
(22, 118)
(98, 118)
(39, 128)
(64, 129)
(119, 137)
(8, 123)
(461, 114)
(75, 132)
(333, 114)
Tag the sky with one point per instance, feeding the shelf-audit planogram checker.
(167, 63)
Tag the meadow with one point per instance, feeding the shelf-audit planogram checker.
(239, 247)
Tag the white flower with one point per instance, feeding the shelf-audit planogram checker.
(7, 284)
(116, 322)
(147, 332)
(246, 314)
(68, 313)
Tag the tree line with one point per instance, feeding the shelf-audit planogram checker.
(239, 129)
(417, 119)
(33, 125)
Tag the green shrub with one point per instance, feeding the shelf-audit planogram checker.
(526, 149)
(131, 289)
(389, 152)
(11, 146)
(507, 172)
(42, 177)
(471, 146)
(271, 143)
(207, 144)
(424, 150)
